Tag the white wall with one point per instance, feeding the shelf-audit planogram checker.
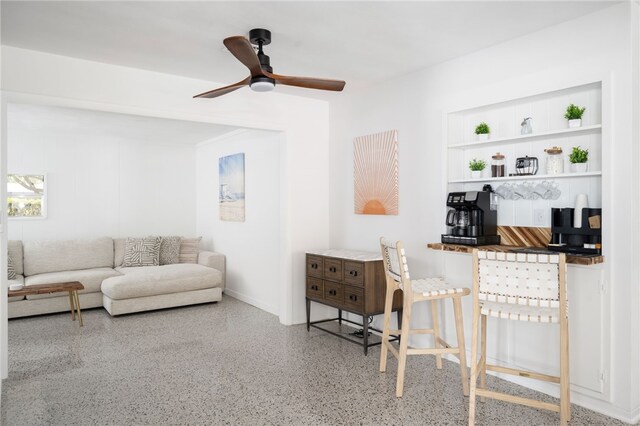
(416, 105)
(252, 247)
(101, 185)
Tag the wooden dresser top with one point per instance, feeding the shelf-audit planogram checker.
(362, 256)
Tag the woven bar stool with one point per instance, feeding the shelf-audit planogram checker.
(521, 287)
(433, 289)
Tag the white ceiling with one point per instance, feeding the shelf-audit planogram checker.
(360, 42)
(95, 125)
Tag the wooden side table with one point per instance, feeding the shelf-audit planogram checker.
(351, 281)
(71, 287)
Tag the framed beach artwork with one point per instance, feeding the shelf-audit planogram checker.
(375, 173)
(231, 172)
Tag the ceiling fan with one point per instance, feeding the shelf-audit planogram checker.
(262, 78)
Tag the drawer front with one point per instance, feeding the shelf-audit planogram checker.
(354, 298)
(333, 292)
(333, 269)
(315, 288)
(314, 266)
(354, 273)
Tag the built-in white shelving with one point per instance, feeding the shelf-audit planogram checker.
(528, 177)
(529, 137)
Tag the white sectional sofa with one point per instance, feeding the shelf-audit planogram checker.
(97, 264)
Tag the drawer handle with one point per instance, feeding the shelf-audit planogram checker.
(314, 266)
(314, 287)
(353, 297)
(353, 273)
(333, 292)
(333, 269)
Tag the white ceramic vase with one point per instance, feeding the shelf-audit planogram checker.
(575, 123)
(476, 174)
(579, 167)
(483, 136)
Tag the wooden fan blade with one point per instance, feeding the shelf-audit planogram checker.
(224, 90)
(307, 82)
(243, 51)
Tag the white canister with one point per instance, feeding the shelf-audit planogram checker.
(555, 162)
(582, 202)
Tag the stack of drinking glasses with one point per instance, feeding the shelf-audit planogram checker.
(529, 191)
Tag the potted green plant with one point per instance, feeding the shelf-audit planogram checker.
(578, 159)
(477, 167)
(574, 115)
(483, 131)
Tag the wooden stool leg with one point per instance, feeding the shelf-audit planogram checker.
(72, 306)
(474, 363)
(404, 345)
(77, 300)
(436, 331)
(483, 354)
(457, 309)
(565, 403)
(386, 326)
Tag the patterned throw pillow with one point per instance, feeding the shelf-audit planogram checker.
(189, 249)
(170, 250)
(142, 252)
(11, 271)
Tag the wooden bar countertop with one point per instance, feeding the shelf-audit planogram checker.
(576, 260)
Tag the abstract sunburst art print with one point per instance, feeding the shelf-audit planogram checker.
(375, 173)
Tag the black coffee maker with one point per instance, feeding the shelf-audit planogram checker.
(472, 220)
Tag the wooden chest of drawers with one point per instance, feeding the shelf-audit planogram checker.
(347, 280)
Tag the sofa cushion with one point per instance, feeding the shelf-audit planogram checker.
(90, 278)
(19, 279)
(11, 270)
(142, 252)
(170, 250)
(118, 251)
(15, 251)
(71, 255)
(155, 280)
(189, 249)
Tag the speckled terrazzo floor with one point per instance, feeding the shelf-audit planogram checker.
(227, 363)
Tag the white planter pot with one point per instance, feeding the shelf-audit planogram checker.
(483, 136)
(579, 167)
(575, 123)
(476, 174)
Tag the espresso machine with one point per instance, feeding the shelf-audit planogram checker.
(472, 219)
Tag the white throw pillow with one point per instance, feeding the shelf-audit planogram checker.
(189, 249)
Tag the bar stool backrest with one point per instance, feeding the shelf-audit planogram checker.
(395, 263)
(521, 278)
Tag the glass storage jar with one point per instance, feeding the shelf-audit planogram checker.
(498, 165)
(555, 161)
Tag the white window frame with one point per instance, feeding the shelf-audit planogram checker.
(44, 199)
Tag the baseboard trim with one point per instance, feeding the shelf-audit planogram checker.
(252, 301)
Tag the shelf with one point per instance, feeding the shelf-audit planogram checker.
(525, 138)
(528, 177)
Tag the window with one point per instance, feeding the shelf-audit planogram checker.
(26, 196)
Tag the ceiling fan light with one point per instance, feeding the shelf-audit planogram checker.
(262, 84)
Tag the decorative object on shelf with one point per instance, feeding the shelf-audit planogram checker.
(498, 165)
(555, 162)
(477, 167)
(483, 131)
(375, 173)
(231, 196)
(526, 166)
(578, 159)
(574, 115)
(525, 126)
(582, 202)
